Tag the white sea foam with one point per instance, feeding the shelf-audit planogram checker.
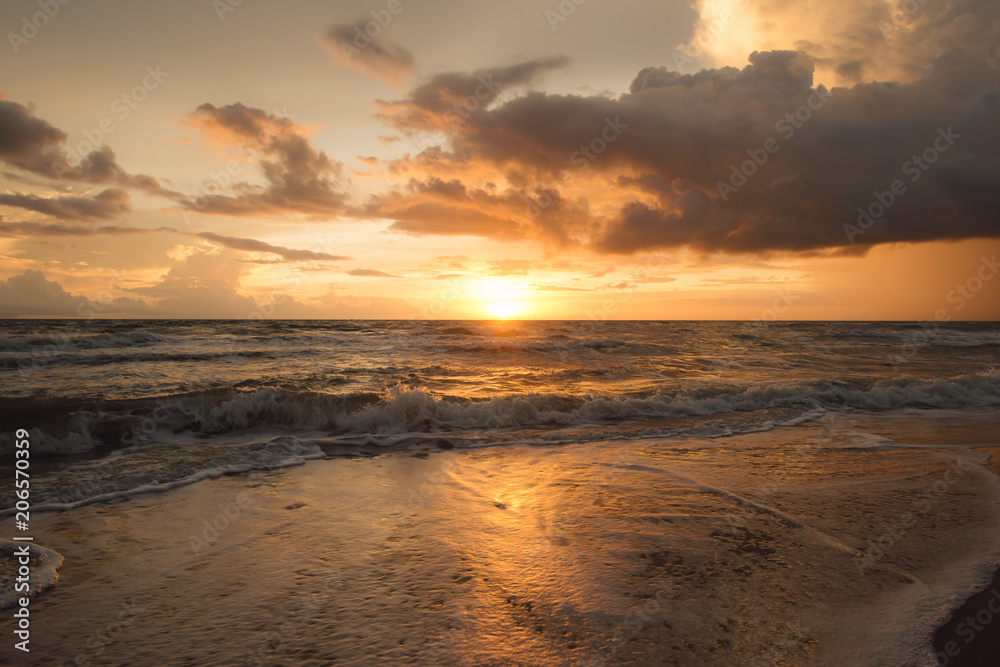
(44, 572)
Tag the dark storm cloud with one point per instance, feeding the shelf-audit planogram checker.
(299, 178)
(671, 150)
(446, 101)
(108, 204)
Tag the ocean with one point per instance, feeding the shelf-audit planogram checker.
(830, 429)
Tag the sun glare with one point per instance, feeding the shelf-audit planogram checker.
(504, 309)
(499, 298)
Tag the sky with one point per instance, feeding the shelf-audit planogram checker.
(582, 159)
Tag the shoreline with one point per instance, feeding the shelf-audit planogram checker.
(532, 555)
(958, 643)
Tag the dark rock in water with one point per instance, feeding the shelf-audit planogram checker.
(294, 506)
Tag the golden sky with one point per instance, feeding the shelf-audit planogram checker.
(735, 159)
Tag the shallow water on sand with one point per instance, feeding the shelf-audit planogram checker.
(748, 550)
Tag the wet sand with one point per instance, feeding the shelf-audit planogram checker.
(747, 550)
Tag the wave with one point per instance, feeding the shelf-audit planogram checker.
(554, 344)
(78, 341)
(117, 477)
(52, 358)
(82, 425)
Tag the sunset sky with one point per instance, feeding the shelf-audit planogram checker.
(525, 159)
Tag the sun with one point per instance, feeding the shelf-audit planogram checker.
(499, 298)
(504, 310)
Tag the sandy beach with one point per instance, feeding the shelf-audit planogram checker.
(748, 550)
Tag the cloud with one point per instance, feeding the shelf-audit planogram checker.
(559, 288)
(31, 294)
(446, 101)
(653, 279)
(375, 273)
(660, 165)
(105, 205)
(207, 285)
(511, 267)
(52, 229)
(252, 245)
(851, 42)
(32, 144)
(351, 46)
(299, 178)
(445, 208)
